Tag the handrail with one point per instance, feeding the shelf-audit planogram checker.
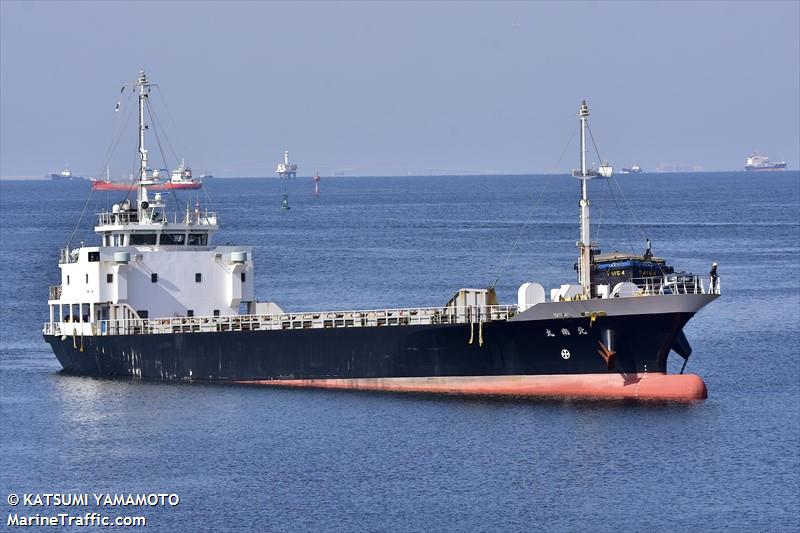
(65, 255)
(303, 320)
(109, 218)
(677, 284)
(671, 284)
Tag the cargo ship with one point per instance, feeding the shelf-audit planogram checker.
(65, 175)
(157, 300)
(759, 162)
(635, 169)
(180, 178)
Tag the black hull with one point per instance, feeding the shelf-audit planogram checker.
(642, 344)
(766, 169)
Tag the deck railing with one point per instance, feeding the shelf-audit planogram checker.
(65, 256)
(261, 322)
(203, 218)
(677, 284)
(347, 319)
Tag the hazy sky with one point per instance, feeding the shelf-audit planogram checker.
(396, 88)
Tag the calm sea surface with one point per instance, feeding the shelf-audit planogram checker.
(250, 458)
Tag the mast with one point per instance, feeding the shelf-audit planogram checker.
(141, 198)
(584, 244)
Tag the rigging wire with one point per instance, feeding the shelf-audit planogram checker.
(77, 226)
(109, 153)
(630, 210)
(157, 123)
(622, 220)
(161, 150)
(601, 212)
(530, 215)
(169, 114)
(116, 137)
(627, 204)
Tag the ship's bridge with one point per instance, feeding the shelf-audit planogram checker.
(125, 225)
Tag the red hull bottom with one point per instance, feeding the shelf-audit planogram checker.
(681, 387)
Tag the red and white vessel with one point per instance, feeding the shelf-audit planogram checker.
(180, 178)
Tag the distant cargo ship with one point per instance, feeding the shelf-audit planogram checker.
(757, 161)
(180, 178)
(65, 175)
(635, 169)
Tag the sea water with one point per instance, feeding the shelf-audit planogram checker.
(252, 458)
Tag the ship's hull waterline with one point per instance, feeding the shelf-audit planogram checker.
(547, 358)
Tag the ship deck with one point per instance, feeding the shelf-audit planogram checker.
(284, 321)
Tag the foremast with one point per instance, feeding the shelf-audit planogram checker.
(145, 179)
(584, 174)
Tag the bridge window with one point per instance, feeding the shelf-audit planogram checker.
(190, 312)
(216, 312)
(94, 257)
(198, 239)
(142, 313)
(176, 239)
(143, 238)
(154, 277)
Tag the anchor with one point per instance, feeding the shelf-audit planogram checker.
(606, 350)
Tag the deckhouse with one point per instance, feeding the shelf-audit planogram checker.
(150, 263)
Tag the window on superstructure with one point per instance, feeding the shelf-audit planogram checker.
(198, 277)
(142, 313)
(68, 279)
(174, 239)
(109, 278)
(216, 312)
(143, 239)
(244, 277)
(154, 277)
(198, 239)
(94, 257)
(87, 278)
(190, 312)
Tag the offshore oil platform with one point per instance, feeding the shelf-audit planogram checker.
(286, 170)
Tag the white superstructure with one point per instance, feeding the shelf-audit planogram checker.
(150, 263)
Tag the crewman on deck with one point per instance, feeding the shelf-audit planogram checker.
(648, 254)
(713, 275)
